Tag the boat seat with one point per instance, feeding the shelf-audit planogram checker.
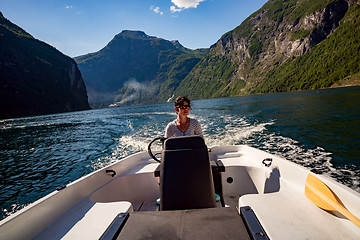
(185, 175)
(87, 220)
(283, 218)
(193, 224)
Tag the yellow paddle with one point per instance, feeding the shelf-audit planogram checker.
(322, 196)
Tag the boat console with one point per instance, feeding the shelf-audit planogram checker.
(186, 160)
(185, 175)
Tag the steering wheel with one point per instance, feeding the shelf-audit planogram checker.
(162, 139)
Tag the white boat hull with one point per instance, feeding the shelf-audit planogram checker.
(276, 193)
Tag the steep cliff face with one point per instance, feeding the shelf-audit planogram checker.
(287, 34)
(297, 38)
(253, 57)
(35, 78)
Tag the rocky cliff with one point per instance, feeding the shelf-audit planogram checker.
(285, 45)
(35, 78)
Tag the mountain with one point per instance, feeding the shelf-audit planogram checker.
(286, 45)
(35, 78)
(136, 68)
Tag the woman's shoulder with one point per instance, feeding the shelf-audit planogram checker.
(194, 121)
(172, 123)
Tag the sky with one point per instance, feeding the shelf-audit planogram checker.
(78, 27)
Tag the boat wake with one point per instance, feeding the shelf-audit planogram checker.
(230, 130)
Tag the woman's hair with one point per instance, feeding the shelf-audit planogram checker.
(180, 101)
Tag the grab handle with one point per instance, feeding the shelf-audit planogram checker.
(267, 162)
(113, 173)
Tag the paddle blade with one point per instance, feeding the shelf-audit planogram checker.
(315, 189)
(322, 196)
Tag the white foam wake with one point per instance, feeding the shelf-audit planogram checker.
(230, 130)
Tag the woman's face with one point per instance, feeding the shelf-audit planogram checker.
(183, 109)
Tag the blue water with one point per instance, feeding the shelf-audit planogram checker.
(318, 129)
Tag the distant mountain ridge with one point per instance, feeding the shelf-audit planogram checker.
(284, 46)
(135, 68)
(35, 78)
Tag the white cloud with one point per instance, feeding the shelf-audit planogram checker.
(156, 10)
(73, 9)
(173, 9)
(184, 4)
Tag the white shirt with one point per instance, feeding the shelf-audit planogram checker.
(194, 128)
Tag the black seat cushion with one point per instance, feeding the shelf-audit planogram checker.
(185, 175)
(184, 142)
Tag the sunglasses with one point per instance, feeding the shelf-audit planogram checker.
(184, 107)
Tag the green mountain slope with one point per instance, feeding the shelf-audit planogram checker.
(35, 78)
(136, 68)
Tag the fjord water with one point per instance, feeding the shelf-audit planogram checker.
(318, 129)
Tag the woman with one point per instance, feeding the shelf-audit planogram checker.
(183, 125)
